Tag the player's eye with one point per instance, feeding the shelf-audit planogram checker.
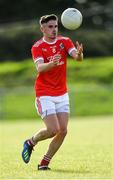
(51, 26)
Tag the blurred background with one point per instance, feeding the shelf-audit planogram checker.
(90, 83)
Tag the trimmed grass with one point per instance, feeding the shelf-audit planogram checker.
(85, 99)
(86, 152)
(92, 70)
(91, 99)
(90, 87)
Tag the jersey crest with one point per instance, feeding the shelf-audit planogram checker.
(53, 49)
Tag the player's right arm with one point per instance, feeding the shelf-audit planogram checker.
(38, 58)
(43, 67)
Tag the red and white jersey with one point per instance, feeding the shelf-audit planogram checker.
(52, 82)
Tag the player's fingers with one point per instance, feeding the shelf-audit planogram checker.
(81, 46)
(80, 49)
(55, 62)
(77, 44)
(57, 57)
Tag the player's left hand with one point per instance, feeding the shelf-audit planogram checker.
(79, 48)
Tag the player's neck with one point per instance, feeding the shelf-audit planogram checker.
(49, 40)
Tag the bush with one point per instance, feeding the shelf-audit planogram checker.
(96, 43)
(17, 44)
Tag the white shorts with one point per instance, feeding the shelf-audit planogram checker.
(47, 105)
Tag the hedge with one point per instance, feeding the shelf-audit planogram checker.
(17, 44)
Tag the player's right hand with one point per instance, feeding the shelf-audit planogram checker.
(56, 59)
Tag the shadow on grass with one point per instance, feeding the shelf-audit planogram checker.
(71, 171)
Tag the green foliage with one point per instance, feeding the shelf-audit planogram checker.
(95, 42)
(16, 45)
(96, 13)
(95, 32)
(94, 70)
(91, 70)
(90, 99)
(90, 85)
(85, 154)
(25, 10)
(17, 73)
(85, 100)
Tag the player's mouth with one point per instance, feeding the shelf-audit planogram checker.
(54, 33)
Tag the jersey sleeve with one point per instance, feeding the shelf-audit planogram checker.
(37, 54)
(69, 46)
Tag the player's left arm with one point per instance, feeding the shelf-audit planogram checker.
(78, 53)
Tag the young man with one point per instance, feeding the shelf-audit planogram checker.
(52, 101)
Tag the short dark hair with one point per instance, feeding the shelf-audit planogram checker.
(46, 18)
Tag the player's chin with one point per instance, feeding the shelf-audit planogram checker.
(53, 36)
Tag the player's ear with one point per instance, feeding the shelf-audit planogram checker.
(41, 28)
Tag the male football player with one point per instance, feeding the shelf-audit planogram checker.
(52, 101)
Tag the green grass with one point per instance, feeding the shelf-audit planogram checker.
(90, 99)
(90, 87)
(86, 152)
(85, 99)
(17, 73)
(92, 70)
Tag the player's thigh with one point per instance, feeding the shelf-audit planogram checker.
(63, 118)
(44, 106)
(52, 123)
(63, 110)
(46, 109)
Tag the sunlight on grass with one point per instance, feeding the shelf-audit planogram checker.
(86, 152)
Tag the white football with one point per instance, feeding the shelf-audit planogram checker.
(71, 18)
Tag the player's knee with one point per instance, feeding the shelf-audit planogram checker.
(53, 132)
(63, 131)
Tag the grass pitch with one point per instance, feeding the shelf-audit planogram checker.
(85, 154)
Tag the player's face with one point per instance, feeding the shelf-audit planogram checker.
(50, 29)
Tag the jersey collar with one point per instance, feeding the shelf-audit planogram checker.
(50, 42)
